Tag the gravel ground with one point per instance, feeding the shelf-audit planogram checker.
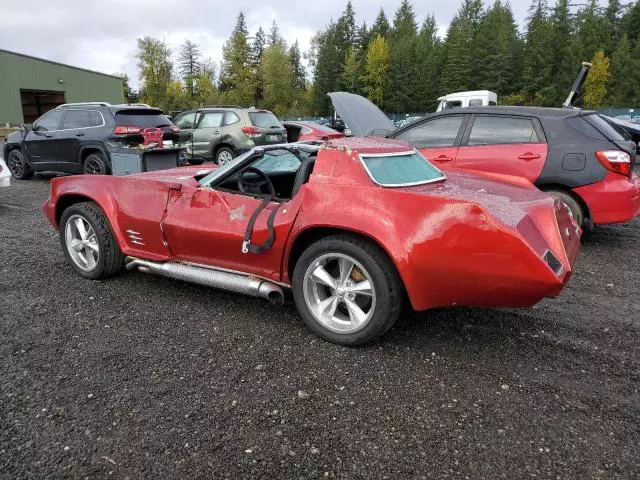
(142, 377)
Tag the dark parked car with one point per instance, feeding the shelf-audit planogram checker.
(73, 137)
(575, 155)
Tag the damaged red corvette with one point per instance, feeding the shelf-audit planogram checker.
(353, 228)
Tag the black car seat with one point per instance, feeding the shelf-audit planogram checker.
(303, 174)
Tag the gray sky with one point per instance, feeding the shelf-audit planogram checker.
(101, 35)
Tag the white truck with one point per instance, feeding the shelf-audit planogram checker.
(475, 98)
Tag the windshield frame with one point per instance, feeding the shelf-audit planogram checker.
(362, 156)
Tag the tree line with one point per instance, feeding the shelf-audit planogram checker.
(402, 64)
(259, 70)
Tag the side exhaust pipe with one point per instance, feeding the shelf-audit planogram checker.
(233, 282)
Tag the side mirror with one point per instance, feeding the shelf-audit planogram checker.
(28, 126)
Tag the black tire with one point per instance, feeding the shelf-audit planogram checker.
(96, 164)
(110, 259)
(389, 290)
(18, 166)
(571, 203)
(222, 151)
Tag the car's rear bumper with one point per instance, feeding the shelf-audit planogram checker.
(616, 199)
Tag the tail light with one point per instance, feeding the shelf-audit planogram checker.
(174, 129)
(251, 132)
(616, 161)
(126, 130)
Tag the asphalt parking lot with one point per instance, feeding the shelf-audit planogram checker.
(142, 377)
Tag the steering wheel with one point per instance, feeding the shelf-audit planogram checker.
(255, 186)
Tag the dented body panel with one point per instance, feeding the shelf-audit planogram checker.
(477, 240)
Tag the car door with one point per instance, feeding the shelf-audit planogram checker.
(186, 123)
(207, 226)
(207, 134)
(40, 141)
(77, 126)
(512, 145)
(437, 138)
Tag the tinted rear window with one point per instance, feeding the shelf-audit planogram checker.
(142, 119)
(604, 127)
(264, 119)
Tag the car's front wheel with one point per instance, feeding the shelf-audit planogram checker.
(18, 166)
(347, 290)
(88, 242)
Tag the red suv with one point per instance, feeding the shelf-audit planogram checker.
(575, 155)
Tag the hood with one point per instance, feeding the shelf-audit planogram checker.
(361, 115)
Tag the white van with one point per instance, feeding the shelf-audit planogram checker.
(476, 98)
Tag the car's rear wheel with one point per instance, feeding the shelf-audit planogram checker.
(572, 204)
(223, 155)
(88, 242)
(96, 164)
(17, 164)
(347, 290)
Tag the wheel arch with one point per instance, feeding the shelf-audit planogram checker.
(564, 189)
(313, 234)
(224, 144)
(86, 150)
(66, 200)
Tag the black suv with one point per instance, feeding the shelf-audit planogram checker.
(73, 137)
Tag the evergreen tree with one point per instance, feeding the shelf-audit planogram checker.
(624, 87)
(299, 74)
(257, 51)
(592, 31)
(428, 66)
(330, 48)
(275, 37)
(376, 70)
(612, 17)
(458, 63)
(563, 57)
(351, 71)
(537, 70)
(236, 72)
(403, 67)
(278, 79)
(380, 27)
(630, 23)
(189, 64)
(595, 90)
(404, 21)
(498, 51)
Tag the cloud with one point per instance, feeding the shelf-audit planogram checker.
(102, 35)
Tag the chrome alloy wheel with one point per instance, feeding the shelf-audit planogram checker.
(339, 293)
(224, 157)
(82, 243)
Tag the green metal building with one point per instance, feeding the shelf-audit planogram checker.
(31, 86)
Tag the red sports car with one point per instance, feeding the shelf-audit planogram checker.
(299, 131)
(352, 228)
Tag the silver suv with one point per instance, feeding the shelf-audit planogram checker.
(220, 133)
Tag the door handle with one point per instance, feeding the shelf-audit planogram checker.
(529, 156)
(48, 136)
(443, 158)
(80, 134)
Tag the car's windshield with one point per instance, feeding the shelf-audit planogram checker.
(395, 170)
(219, 172)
